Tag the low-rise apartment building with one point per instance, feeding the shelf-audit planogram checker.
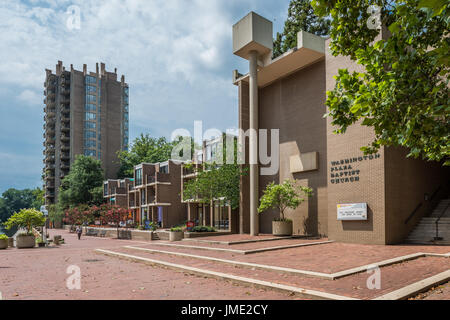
(154, 194)
(219, 213)
(116, 191)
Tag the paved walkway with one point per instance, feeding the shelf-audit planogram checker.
(41, 274)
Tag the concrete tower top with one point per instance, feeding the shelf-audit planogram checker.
(252, 33)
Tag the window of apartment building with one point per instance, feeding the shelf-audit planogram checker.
(91, 98)
(90, 80)
(143, 197)
(221, 216)
(90, 153)
(105, 189)
(91, 116)
(208, 153)
(91, 89)
(89, 134)
(90, 125)
(199, 157)
(138, 177)
(164, 169)
(90, 107)
(90, 143)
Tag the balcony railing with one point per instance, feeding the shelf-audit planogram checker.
(195, 168)
(50, 111)
(65, 109)
(50, 159)
(65, 91)
(116, 190)
(158, 177)
(65, 100)
(65, 119)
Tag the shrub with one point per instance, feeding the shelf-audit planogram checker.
(3, 237)
(282, 220)
(203, 229)
(176, 229)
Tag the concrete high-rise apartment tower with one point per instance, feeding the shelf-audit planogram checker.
(85, 114)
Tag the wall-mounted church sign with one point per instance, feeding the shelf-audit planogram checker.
(346, 170)
(352, 211)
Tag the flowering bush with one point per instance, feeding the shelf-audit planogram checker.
(105, 213)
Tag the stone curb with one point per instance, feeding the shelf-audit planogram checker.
(328, 276)
(242, 251)
(416, 288)
(306, 293)
(230, 243)
(239, 263)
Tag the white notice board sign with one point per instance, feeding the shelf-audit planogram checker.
(352, 212)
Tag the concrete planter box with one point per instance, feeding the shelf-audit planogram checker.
(176, 235)
(282, 228)
(23, 242)
(3, 244)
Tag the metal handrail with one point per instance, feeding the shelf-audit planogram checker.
(421, 203)
(413, 213)
(437, 223)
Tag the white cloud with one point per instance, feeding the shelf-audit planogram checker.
(30, 97)
(176, 56)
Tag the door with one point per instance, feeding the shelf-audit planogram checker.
(160, 216)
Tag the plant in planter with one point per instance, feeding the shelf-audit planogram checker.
(3, 241)
(40, 242)
(26, 219)
(283, 196)
(176, 234)
(203, 229)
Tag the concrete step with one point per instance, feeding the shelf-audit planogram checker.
(424, 242)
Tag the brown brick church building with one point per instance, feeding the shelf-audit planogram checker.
(393, 192)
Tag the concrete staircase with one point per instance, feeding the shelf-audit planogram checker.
(425, 231)
(160, 235)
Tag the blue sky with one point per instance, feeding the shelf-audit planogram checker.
(176, 56)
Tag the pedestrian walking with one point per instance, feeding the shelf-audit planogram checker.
(79, 232)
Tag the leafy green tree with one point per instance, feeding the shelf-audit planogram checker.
(301, 16)
(216, 182)
(14, 200)
(82, 183)
(38, 201)
(3, 212)
(403, 94)
(26, 218)
(55, 215)
(283, 196)
(144, 149)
